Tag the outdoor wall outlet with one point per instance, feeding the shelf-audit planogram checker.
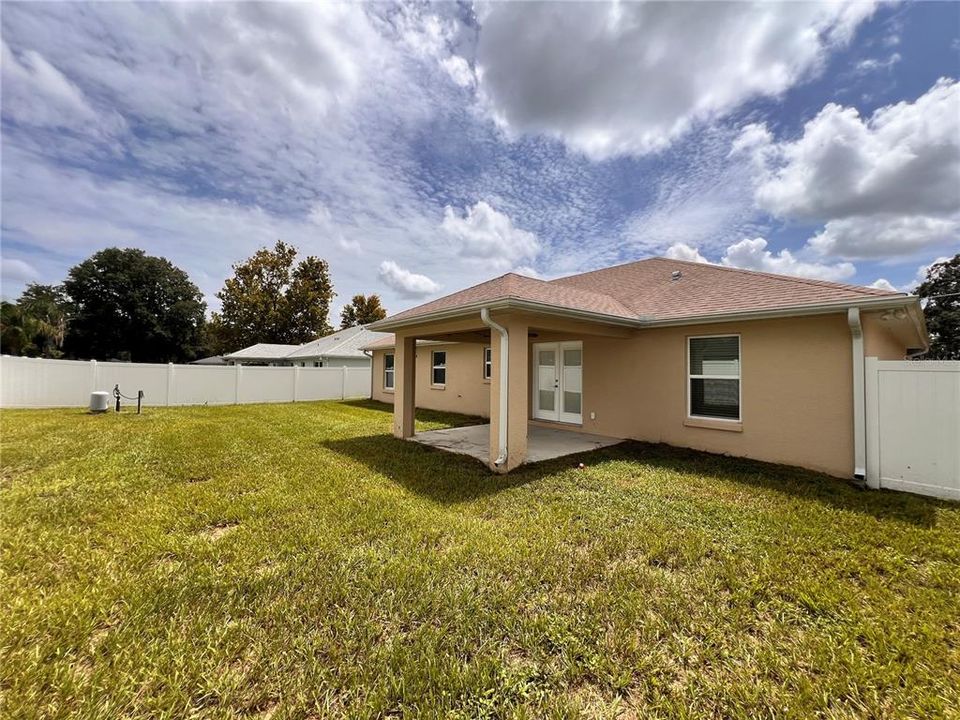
(593, 416)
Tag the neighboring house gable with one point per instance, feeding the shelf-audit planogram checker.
(342, 348)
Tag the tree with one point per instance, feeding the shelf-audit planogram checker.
(14, 329)
(273, 299)
(940, 294)
(362, 310)
(36, 324)
(46, 306)
(129, 305)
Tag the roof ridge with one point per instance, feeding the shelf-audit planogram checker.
(777, 276)
(780, 276)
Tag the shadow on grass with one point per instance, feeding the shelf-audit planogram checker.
(451, 478)
(442, 476)
(788, 480)
(424, 416)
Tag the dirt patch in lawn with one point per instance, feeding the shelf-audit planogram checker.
(218, 530)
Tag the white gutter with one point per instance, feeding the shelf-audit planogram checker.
(460, 311)
(504, 377)
(859, 409)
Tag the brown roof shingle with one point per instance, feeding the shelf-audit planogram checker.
(519, 287)
(647, 288)
(646, 291)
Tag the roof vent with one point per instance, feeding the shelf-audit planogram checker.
(676, 275)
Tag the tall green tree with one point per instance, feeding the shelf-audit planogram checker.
(47, 307)
(36, 324)
(125, 304)
(272, 298)
(362, 310)
(940, 294)
(15, 329)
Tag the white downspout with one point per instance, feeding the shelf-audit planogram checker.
(859, 409)
(504, 377)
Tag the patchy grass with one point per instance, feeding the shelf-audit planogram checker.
(296, 561)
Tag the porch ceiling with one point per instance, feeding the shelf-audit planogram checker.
(542, 443)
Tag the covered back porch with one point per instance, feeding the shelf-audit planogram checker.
(536, 365)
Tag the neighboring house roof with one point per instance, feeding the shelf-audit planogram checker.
(347, 343)
(385, 343)
(262, 351)
(212, 360)
(647, 291)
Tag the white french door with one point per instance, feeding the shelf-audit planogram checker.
(558, 381)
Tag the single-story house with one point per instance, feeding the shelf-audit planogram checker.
(713, 358)
(216, 360)
(340, 349)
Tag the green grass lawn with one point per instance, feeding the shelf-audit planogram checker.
(298, 561)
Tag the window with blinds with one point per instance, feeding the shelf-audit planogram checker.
(714, 377)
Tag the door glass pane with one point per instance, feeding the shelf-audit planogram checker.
(715, 398)
(572, 358)
(572, 379)
(547, 357)
(546, 379)
(571, 402)
(546, 399)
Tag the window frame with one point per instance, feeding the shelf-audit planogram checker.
(487, 363)
(391, 371)
(434, 367)
(739, 378)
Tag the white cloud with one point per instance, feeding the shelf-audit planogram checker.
(238, 125)
(37, 93)
(407, 284)
(872, 64)
(459, 70)
(903, 159)
(527, 271)
(487, 234)
(17, 272)
(682, 251)
(632, 77)
(883, 186)
(884, 236)
(753, 255)
(883, 284)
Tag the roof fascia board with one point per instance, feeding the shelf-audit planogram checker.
(388, 325)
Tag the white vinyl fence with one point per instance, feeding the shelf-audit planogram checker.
(34, 382)
(913, 426)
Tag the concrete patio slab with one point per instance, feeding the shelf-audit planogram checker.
(542, 443)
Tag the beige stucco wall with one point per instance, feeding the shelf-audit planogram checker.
(465, 392)
(879, 339)
(796, 386)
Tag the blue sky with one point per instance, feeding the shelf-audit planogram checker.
(422, 148)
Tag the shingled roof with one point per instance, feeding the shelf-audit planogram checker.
(647, 287)
(651, 290)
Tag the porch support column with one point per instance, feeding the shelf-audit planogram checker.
(518, 391)
(405, 385)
